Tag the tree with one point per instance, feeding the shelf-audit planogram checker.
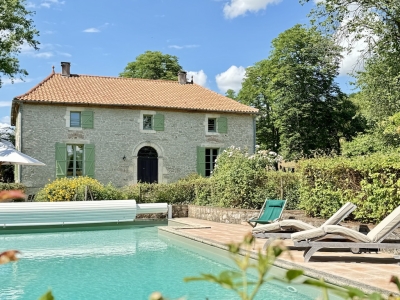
(379, 86)
(256, 93)
(153, 65)
(231, 94)
(376, 22)
(16, 29)
(302, 108)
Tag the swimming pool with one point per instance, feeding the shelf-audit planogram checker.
(127, 263)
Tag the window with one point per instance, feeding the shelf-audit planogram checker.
(78, 118)
(212, 125)
(211, 156)
(74, 160)
(151, 121)
(75, 119)
(206, 160)
(148, 122)
(215, 124)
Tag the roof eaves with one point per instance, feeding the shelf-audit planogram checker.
(35, 87)
(254, 111)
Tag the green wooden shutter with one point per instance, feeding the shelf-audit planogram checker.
(61, 160)
(89, 160)
(201, 161)
(87, 119)
(222, 125)
(159, 122)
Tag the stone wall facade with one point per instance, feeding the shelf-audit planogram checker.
(117, 133)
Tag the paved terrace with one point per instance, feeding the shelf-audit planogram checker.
(369, 272)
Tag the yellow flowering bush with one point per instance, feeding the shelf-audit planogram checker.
(73, 189)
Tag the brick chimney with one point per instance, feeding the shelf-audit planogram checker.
(182, 77)
(65, 69)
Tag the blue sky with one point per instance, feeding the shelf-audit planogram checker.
(215, 40)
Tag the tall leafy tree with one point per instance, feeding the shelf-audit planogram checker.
(256, 92)
(302, 107)
(379, 86)
(231, 94)
(153, 65)
(16, 29)
(377, 22)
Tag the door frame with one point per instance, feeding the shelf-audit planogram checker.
(160, 152)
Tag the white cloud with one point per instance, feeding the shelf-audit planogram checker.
(181, 47)
(64, 54)
(231, 79)
(5, 103)
(91, 30)
(97, 29)
(49, 3)
(199, 77)
(30, 5)
(5, 121)
(43, 54)
(351, 60)
(236, 8)
(8, 81)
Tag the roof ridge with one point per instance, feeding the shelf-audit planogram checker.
(37, 86)
(125, 78)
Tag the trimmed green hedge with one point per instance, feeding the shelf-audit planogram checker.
(371, 182)
(187, 190)
(12, 186)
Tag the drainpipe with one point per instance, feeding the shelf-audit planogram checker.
(19, 146)
(254, 133)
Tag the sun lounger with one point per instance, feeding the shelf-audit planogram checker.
(334, 236)
(270, 211)
(283, 229)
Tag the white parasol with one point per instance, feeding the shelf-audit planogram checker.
(10, 156)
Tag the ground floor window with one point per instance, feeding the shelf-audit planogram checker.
(74, 160)
(211, 156)
(206, 160)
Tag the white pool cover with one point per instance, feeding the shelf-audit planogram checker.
(74, 212)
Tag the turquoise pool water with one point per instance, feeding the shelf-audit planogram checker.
(127, 263)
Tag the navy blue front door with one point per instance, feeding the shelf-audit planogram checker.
(147, 165)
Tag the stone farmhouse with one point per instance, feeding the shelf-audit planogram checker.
(125, 130)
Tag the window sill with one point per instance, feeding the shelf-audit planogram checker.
(74, 128)
(212, 133)
(147, 131)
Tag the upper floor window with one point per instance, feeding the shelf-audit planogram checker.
(212, 125)
(79, 118)
(148, 122)
(75, 119)
(215, 124)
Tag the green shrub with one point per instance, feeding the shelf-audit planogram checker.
(371, 182)
(185, 190)
(12, 186)
(241, 180)
(69, 189)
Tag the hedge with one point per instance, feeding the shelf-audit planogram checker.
(371, 182)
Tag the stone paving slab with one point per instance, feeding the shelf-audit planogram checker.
(369, 272)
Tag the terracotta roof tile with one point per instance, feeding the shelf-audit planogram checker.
(97, 90)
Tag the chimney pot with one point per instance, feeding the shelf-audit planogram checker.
(182, 77)
(65, 69)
